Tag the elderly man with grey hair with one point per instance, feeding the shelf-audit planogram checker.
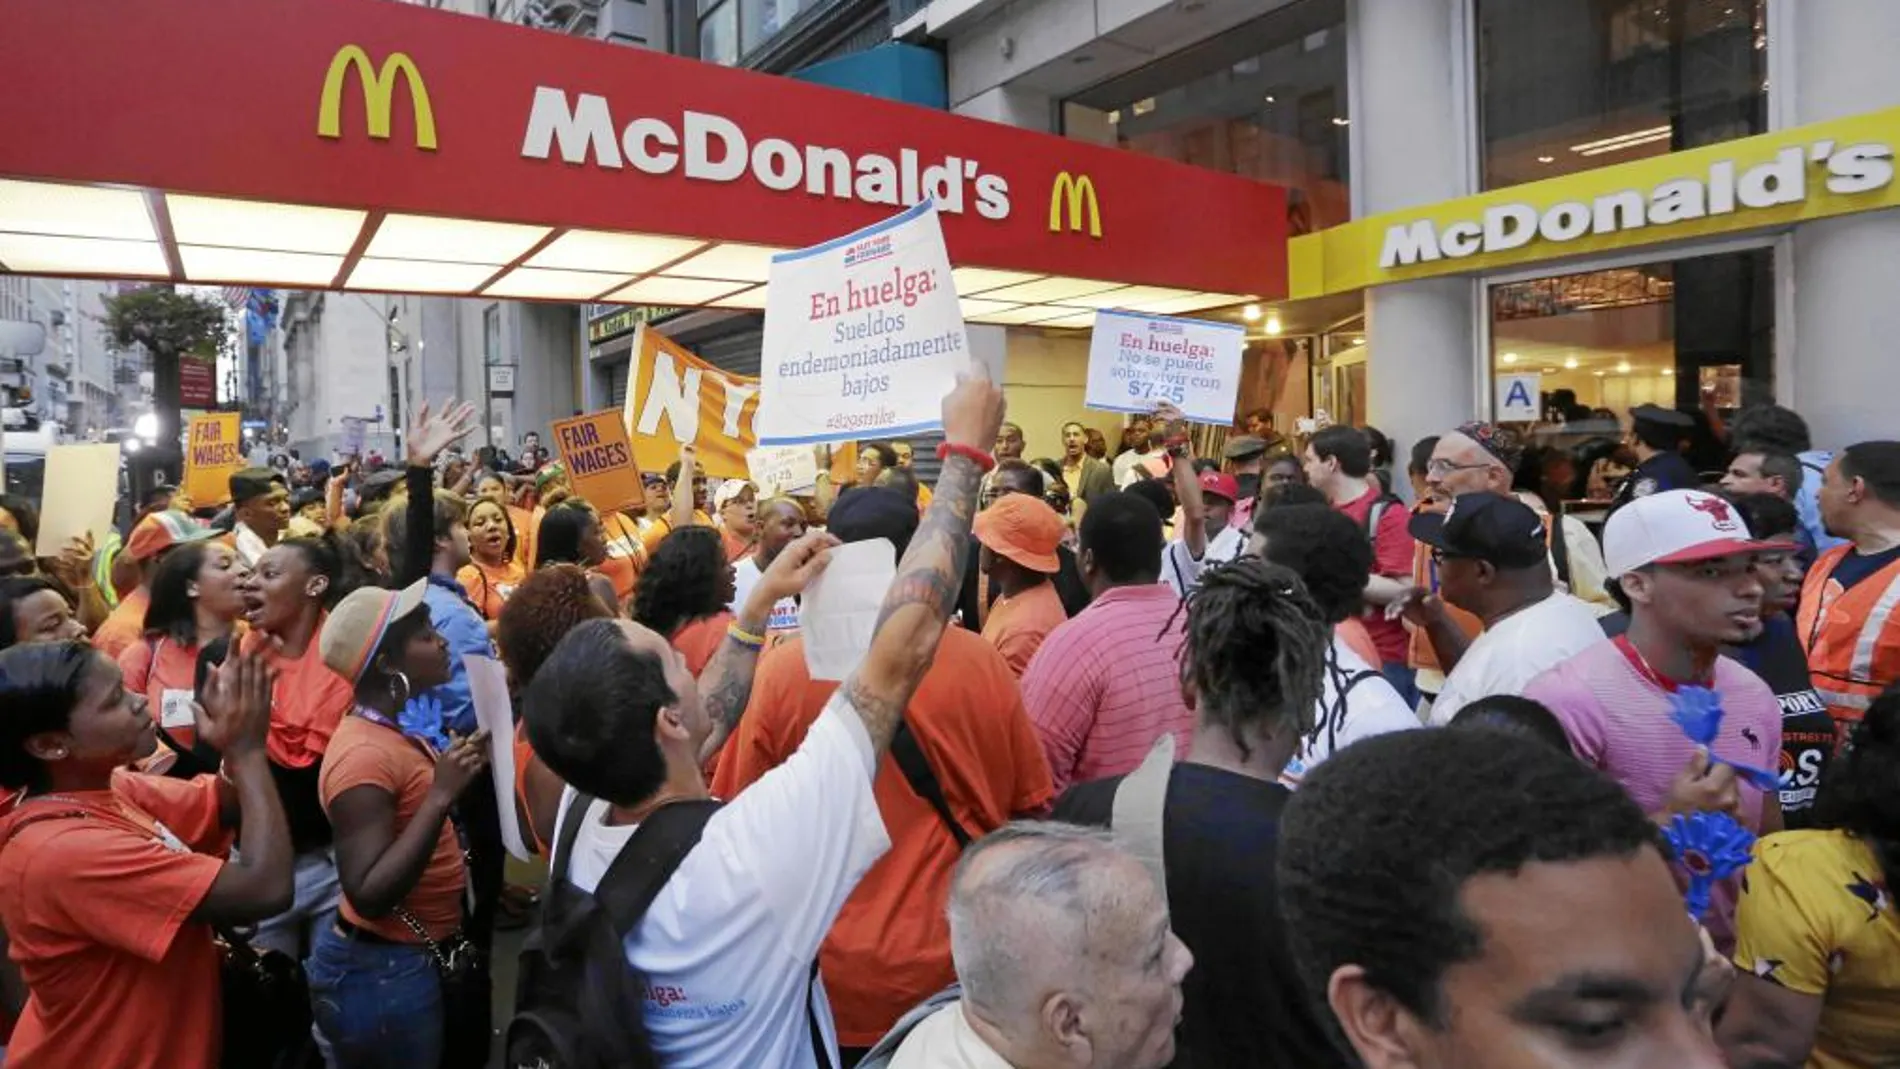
(1064, 954)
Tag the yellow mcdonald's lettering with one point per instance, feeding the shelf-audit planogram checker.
(379, 89)
(1074, 193)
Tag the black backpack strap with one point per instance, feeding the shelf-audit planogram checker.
(821, 1054)
(909, 754)
(570, 822)
(649, 860)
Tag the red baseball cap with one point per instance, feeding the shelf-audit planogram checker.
(1220, 484)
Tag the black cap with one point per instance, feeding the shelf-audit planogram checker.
(1662, 417)
(1485, 526)
(1244, 447)
(253, 483)
(872, 512)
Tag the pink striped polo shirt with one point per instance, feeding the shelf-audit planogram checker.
(1106, 684)
(1618, 722)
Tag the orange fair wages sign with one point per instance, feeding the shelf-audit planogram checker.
(674, 398)
(599, 460)
(213, 453)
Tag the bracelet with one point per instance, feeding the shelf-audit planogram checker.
(743, 637)
(984, 460)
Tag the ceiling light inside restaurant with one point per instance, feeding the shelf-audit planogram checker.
(1273, 324)
(1622, 367)
(1570, 363)
(1250, 313)
(1509, 358)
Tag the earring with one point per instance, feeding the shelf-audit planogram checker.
(59, 755)
(399, 682)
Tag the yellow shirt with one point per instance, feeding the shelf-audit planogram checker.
(1816, 917)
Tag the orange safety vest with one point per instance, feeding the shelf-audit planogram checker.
(1851, 635)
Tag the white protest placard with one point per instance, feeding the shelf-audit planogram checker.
(782, 469)
(838, 614)
(354, 432)
(863, 335)
(1137, 361)
(488, 689)
(1519, 397)
(81, 486)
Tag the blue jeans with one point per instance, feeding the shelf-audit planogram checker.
(378, 1005)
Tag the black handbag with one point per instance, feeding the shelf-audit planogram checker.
(266, 1007)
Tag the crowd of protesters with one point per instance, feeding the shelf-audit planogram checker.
(1214, 750)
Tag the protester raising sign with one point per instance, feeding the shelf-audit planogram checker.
(599, 460)
(213, 453)
(675, 398)
(863, 335)
(1138, 361)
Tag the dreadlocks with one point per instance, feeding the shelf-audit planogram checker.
(1255, 649)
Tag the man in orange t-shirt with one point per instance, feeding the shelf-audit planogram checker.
(1019, 535)
(890, 947)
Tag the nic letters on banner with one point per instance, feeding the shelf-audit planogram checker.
(674, 397)
(863, 335)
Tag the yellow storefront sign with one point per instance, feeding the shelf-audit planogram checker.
(1770, 180)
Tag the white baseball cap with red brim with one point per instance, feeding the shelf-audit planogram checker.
(1677, 527)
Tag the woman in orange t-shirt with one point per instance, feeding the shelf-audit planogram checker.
(684, 592)
(493, 571)
(374, 984)
(285, 601)
(111, 880)
(197, 598)
(626, 553)
(570, 534)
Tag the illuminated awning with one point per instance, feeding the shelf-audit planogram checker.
(365, 145)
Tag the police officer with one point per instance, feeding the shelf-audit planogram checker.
(1655, 436)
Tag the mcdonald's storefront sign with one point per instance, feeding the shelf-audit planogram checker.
(379, 92)
(425, 113)
(1071, 196)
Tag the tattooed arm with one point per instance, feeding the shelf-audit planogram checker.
(726, 685)
(930, 576)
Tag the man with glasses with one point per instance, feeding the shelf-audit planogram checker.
(1488, 553)
(1685, 561)
(1015, 477)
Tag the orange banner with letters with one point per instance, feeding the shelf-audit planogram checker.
(213, 453)
(675, 398)
(599, 460)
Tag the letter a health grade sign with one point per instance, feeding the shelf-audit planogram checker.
(863, 335)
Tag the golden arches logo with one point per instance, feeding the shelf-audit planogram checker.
(1074, 193)
(379, 90)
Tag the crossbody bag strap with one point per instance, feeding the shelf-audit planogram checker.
(1139, 811)
(820, 1052)
(649, 859)
(911, 761)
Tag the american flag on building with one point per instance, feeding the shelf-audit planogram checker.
(237, 296)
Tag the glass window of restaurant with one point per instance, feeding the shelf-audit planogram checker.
(1571, 85)
(1266, 100)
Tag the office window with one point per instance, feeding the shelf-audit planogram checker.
(719, 32)
(1571, 85)
(1266, 100)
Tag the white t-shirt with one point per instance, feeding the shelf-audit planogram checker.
(1504, 658)
(1181, 571)
(727, 947)
(1127, 467)
(745, 576)
(945, 1040)
(1371, 707)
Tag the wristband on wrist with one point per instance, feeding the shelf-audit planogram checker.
(743, 637)
(984, 460)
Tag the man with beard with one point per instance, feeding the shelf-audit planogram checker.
(781, 521)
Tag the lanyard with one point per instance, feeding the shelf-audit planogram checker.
(1655, 678)
(379, 719)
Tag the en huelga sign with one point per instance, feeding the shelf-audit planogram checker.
(863, 335)
(1139, 361)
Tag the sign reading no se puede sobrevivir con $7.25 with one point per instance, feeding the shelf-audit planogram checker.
(1139, 361)
(863, 335)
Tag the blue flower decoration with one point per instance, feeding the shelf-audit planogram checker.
(1710, 847)
(1698, 712)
